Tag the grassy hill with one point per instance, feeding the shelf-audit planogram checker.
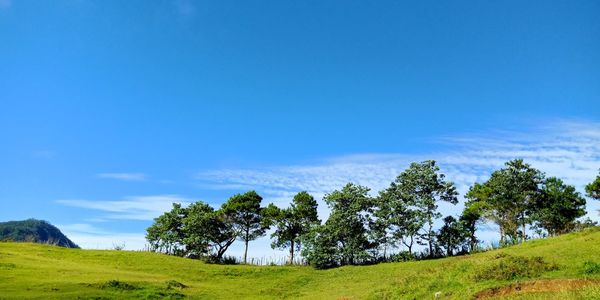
(35, 231)
(567, 267)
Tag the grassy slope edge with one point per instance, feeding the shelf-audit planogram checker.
(41, 271)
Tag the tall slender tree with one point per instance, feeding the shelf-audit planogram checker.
(292, 223)
(244, 212)
(423, 186)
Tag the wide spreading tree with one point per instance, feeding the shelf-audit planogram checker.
(558, 207)
(510, 194)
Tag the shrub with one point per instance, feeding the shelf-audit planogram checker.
(118, 285)
(507, 267)
(590, 267)
(174, 284)
(401, 257)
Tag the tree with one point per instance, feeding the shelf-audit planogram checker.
(292, 223)
(593, 188)
(422, 186)
(243, 211)
(452, 236)
(344, 239)
(166, 233)
(197, 225)
(509, 195)
(207, 232)
(558, 206)
(472, 214)
(398, 219)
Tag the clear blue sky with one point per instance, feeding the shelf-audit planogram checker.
(111, 100)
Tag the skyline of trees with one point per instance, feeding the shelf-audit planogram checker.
(365, 229)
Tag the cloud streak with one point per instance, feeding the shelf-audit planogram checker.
(90, 237)
(123, 176)
(567, 149)
(130, 208)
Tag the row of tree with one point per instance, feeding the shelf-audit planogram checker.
(362, 229)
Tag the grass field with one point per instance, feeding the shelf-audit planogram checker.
(567, 267)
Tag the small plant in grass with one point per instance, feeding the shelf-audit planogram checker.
(507, 267)
(174, 284)
(118, 285)
(590, 267)
(119, 247)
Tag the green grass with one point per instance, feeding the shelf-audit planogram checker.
(566, 267)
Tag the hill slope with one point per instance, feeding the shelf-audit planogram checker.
(557, 268)
(35, 231)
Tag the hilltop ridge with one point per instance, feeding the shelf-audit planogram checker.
(34, 231)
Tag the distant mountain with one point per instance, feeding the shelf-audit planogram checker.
(34, 231)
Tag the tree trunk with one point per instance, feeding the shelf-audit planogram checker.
(292, 253)
(430, 235)
(523, 233)
(245, 251)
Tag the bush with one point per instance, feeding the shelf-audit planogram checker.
(118, 285)
(507, 267)
(174, 284)
(401, 257)
(590, 267)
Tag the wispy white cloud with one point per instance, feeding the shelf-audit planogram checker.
(130, 208)
(88, 236)
(123, 176)
(569, 150)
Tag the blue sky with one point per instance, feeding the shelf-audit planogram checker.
(111, 110)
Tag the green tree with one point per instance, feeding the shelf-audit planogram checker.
(452, 236)
(206, 232)
(558, 206)
(472, 214)
(593, 188)
(344, 239)
(509, 196)
(244, 212)
(292, 223)
(166, 233)
(398, 219)
(423, 186)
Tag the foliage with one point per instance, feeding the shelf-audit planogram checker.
(421, 187)
(166, 233)
(514, 267)
(558, 206)
(344, 239)
(593, 188)
(293, 223)
(472, 215)
(197, 231)
(244, 213)
(509, 196)
(453, 236)
(34, 231)
(590, 267)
